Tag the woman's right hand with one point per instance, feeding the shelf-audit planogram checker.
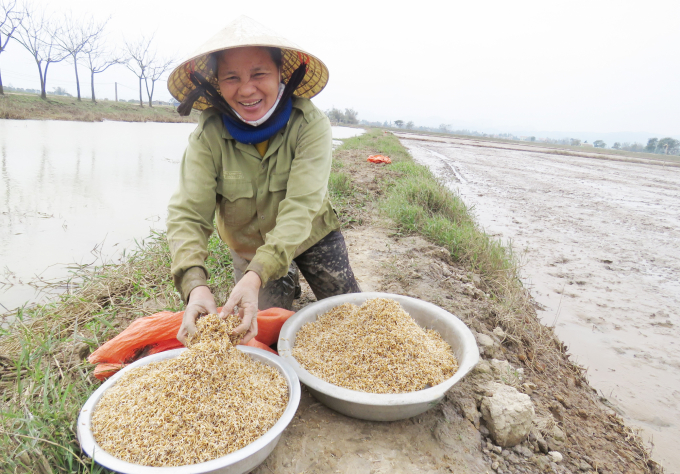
(201, 301)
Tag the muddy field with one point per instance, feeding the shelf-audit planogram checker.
(601, 241)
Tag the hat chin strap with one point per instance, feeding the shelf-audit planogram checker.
(206, 89)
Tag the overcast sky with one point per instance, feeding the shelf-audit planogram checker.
(577, 65)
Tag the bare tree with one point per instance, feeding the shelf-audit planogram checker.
(75, 34)
(140, 58)
(98, 58)
(156, 69)
(11, 16)
(36, 34)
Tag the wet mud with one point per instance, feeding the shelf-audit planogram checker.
(599, 240)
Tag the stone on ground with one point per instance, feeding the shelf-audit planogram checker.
(508, 414)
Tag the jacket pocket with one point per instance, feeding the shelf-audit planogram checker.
(238, 204)
(278, 182)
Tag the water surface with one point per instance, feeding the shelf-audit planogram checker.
(81, 192)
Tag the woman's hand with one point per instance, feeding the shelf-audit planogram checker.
(201, 301)
(244, 295)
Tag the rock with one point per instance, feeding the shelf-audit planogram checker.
(558, 434)
(499, 333)
(523, 450)
(506, 373)
(497, 449)
(542, 462)
(468, 409)
(484, 431)
(565, 403)
(584, 466)
(486, 343)
(556, 456)
(83, 350)
(541, 443)
(508, 414)
(495, 465)
(513, 458)
(449, 412)
(483, 367)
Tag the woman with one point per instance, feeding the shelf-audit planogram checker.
(259, 162)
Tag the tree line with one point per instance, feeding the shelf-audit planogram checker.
(349, 116)
(78, 40)
(664, 146)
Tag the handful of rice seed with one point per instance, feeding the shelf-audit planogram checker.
(375, 348)
(206, 403)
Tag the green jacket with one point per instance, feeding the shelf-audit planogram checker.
(269, 209)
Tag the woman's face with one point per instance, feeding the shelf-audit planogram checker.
(248, 80)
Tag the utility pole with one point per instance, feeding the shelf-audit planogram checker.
(116, 92)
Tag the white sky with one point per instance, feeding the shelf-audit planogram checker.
(577, 65)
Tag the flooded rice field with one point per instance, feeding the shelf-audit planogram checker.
(77, 193)
(601, 242)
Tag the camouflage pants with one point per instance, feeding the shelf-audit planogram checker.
(325, 266)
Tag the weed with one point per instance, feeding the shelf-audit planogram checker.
(44, 382)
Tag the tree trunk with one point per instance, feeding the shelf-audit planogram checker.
(141, 103)
(92, 82)
(75, 65)
(150, 95)
(43, 94)
(2, 92)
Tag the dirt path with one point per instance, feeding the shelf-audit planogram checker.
(451, 438)
(602, 258)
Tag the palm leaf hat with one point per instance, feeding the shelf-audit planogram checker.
(240, 33)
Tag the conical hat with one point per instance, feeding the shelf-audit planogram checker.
(247, 32)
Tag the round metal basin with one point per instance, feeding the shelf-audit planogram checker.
(375, 406)
(239, 462)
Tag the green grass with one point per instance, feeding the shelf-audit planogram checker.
(32, 107)
(381, 143)
(418, 203)
(44, 382)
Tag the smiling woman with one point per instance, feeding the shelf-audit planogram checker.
(250, 81)
(258, 162)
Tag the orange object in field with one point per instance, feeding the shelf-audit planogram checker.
(131, 344)
(269, 322)
(379, 159)
(158, 333)
(104, 371)
(255, 343)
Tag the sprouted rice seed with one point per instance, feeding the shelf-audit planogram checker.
(208, 402)
(376, 348)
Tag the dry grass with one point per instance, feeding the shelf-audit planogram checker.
(32, 107)
(375, 348)
(208, 402)
(44, 380)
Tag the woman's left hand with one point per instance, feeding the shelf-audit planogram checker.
(244, 295)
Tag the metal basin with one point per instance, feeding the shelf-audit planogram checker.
(374, 406)
(239, 462)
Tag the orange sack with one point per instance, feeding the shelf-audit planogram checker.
(379, 159)
(158, 333)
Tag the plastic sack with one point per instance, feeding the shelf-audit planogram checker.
(269, 322)
(158, 333)
(139, 339)
(379, 159)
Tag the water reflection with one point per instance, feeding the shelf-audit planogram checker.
(73, 192)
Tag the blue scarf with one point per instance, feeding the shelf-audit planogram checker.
(250, 135)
